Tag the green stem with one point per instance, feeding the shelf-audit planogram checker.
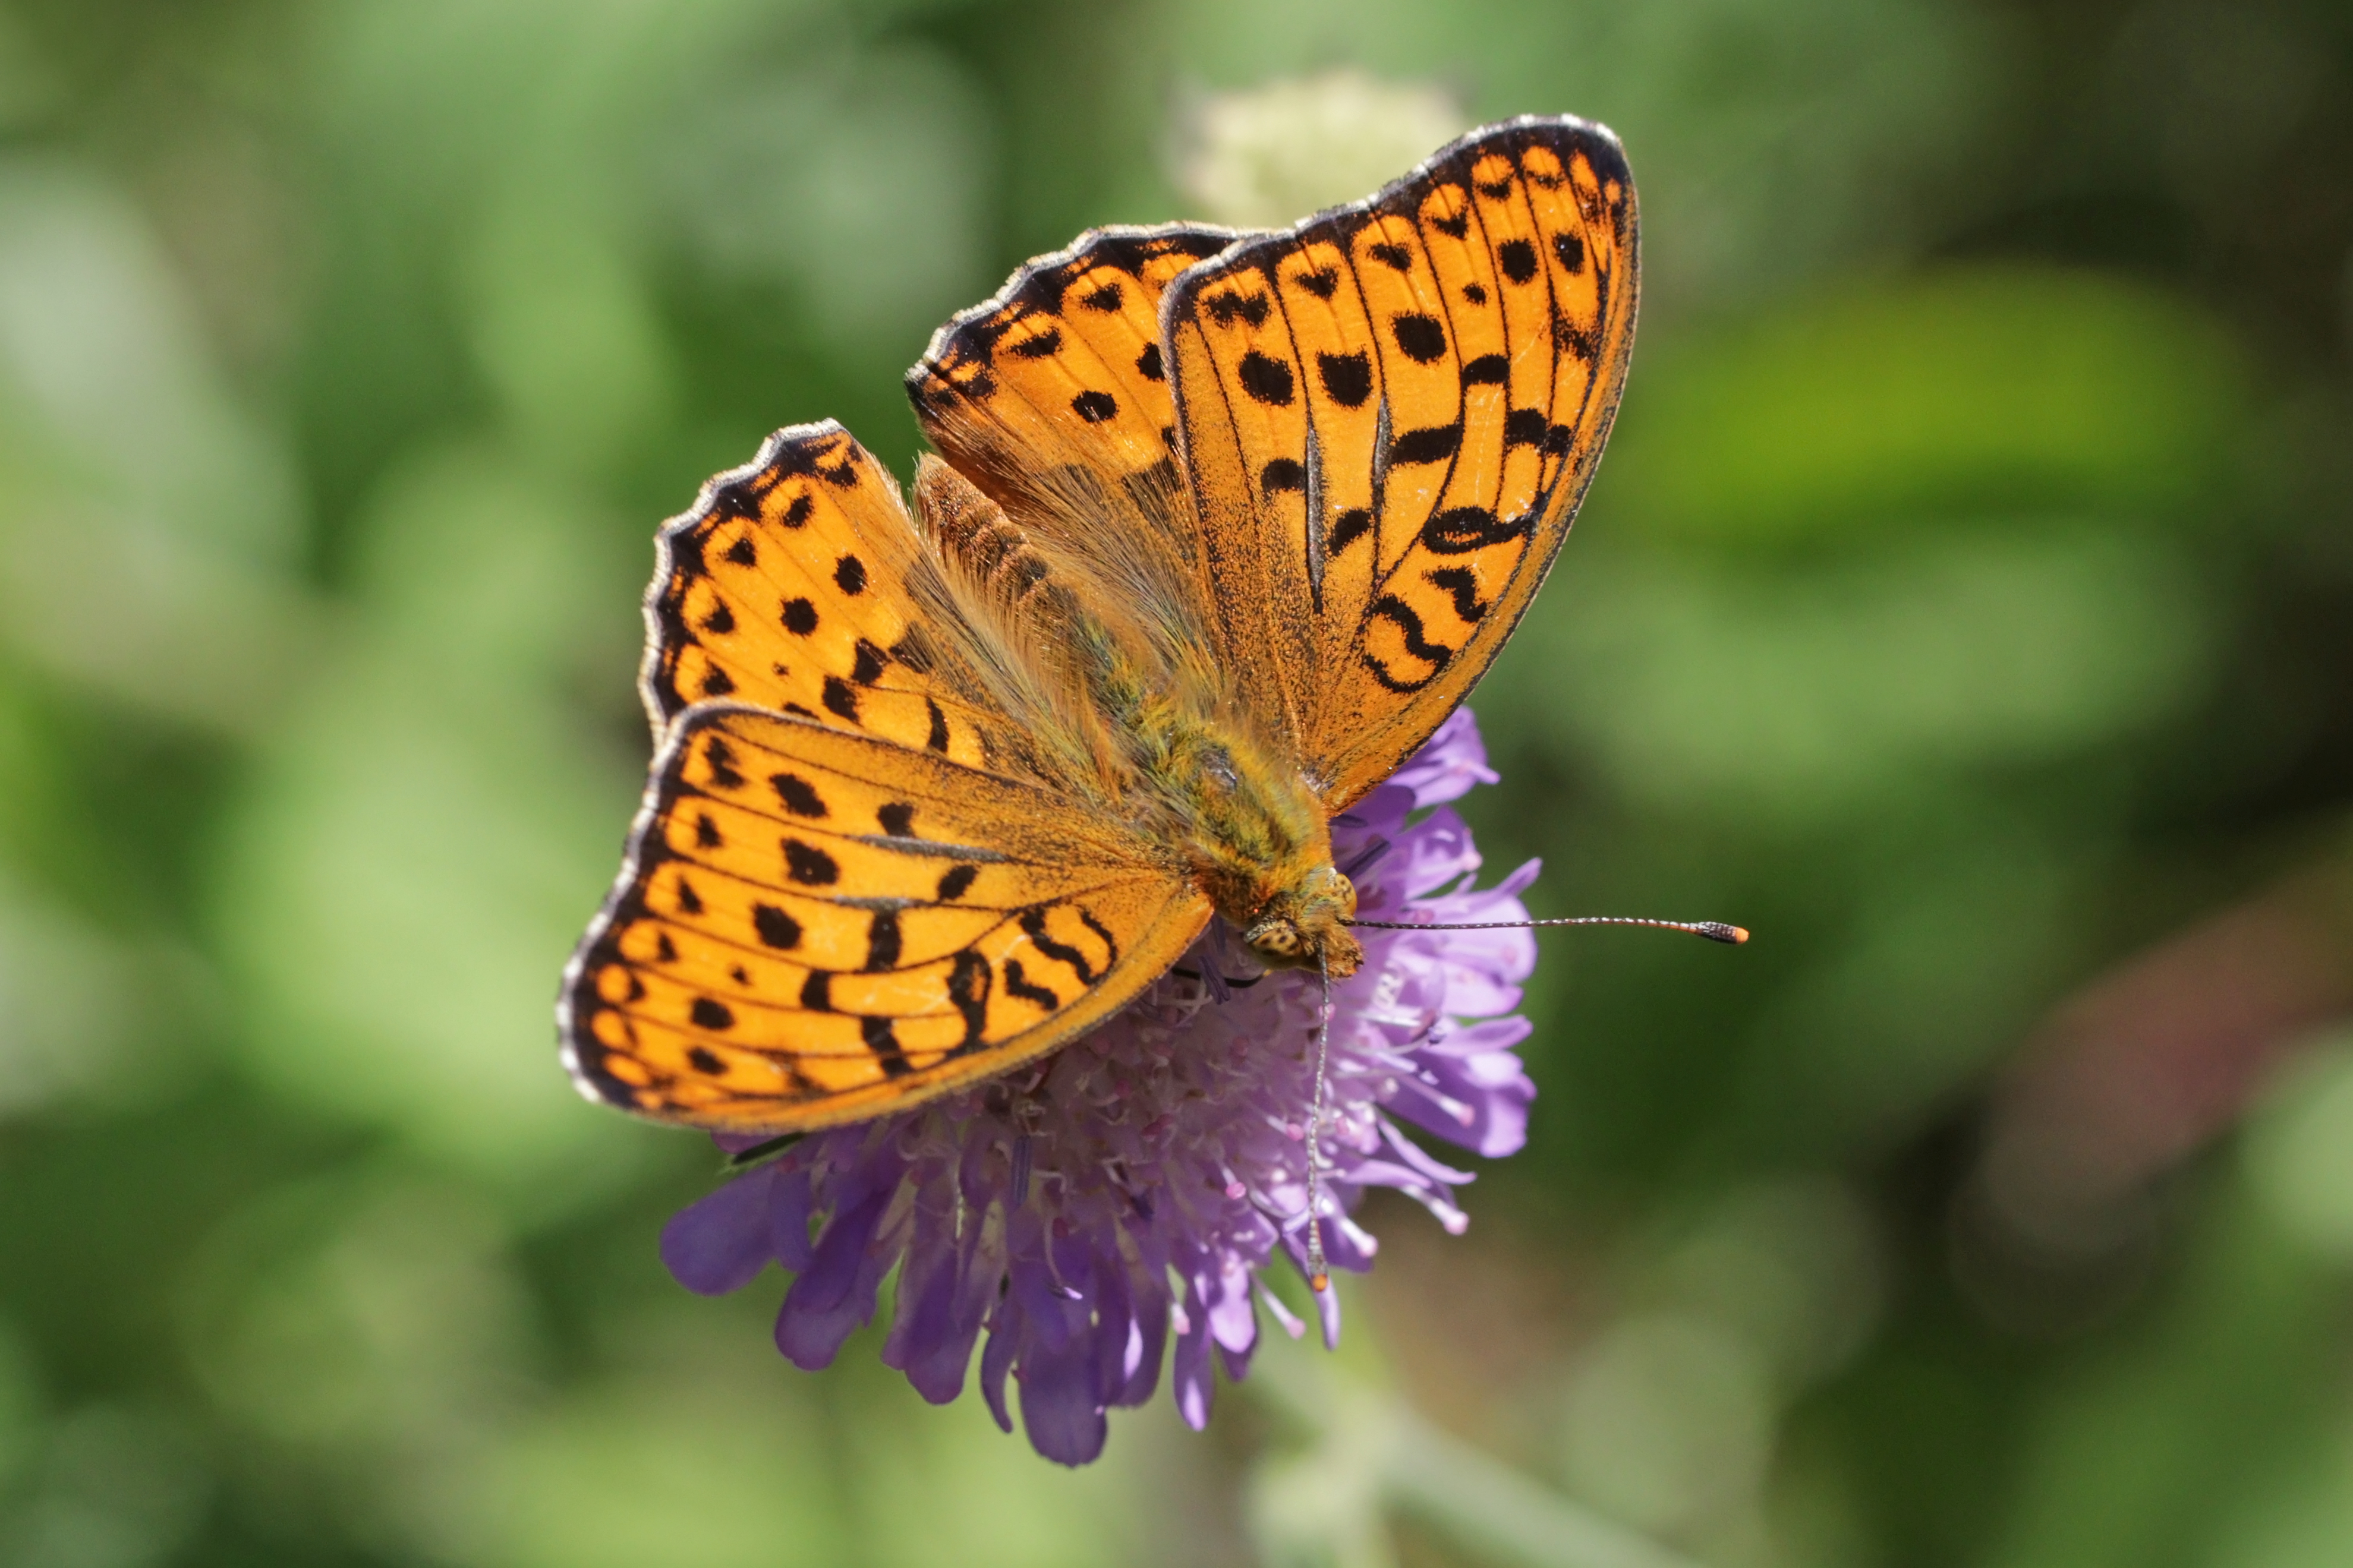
(1396, 1457)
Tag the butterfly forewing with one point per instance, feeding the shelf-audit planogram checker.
(1388, 417)
(813, 925)
(786, 587)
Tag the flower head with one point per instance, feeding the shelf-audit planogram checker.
(1131, 1185)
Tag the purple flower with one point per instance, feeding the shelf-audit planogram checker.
(1080, 1210)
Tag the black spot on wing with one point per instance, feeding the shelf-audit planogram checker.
(955, 882)
(1105, 299)
(1033, 923)
(1038, 347)
(1432, 445)
(1147, 363)
(1321, 281)
(1347, 377)
(1421, 337)
(1487, 369)
(1517, 258)
(880, 1040)
(1570, 250)
(809, 866)
(850, 575)
(968, 985)
(799, 616)
(1094, 407)
(798, 795)
(1390, 254)
(882, 942)
(776, 928)
(1267, 380)
(1282, 474)
(898, 819)
(1103, 934)
(1018, 984)
(1347, 527)
(710, 1014)
(1462, 584)
(743, 552)
(719, 758)
(1398, 613)
(1465, 530)
(1233, 305)
(840, 699)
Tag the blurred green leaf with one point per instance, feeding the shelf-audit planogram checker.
(414, 860)
(1987, 390)
(651, 1476)
(1805, 693)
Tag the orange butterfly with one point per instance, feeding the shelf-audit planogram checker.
(1223, 526)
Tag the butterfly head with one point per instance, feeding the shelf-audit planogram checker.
(1305, 926)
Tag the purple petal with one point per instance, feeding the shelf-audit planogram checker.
(1233, 1321)
(1189, 1370)
(931, 1340)
(835, 1295)
(788, 1218)
(1449, 763)
(1490, 1119)
(721, 1241)
(1058, 1404)
(1004, 1344)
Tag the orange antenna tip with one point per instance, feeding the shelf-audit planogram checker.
(1319, 1283)
(1716, 930)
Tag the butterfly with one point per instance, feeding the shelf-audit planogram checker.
(1221, 526)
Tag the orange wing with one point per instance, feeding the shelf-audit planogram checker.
(1388, 415)
(788, 586)
(812, 927)
(1061, 370)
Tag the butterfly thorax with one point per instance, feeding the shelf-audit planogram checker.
(1260, 846)
(1164, 738)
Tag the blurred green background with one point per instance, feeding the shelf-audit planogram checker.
(1966, 604)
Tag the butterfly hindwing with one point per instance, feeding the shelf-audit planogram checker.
(786, 586)
(813, 925)
(1388, 415)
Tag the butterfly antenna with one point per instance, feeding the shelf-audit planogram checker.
(1715, 931)
(1319, 1277)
